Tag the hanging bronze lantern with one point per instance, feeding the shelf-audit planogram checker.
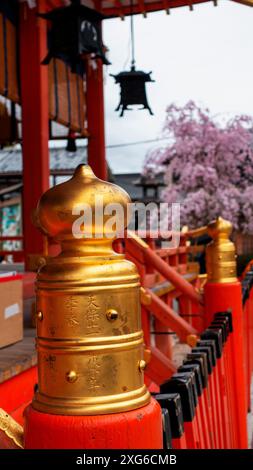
(133, 89)
(75, 32)
(133, 82)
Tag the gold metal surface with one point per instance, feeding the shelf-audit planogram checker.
(40, 316)
(220, 253)
(142, 365)
(202, 282)
(90, 342)
(71, 376)
(147, 355)
(145, 297)
(112, 314)
(35, 261)
(192, 340)
(13, 433)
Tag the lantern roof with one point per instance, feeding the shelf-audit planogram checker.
(72, 10)
(128, 74)
(121, 8)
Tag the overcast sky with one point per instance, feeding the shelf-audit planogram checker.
(205, 55)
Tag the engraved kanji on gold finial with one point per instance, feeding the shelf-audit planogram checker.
(89, 337)
(220, 253)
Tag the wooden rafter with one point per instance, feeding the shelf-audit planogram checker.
(119, 7)
(166, 6)
(142, 8)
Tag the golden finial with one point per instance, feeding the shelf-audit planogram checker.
(220, 253)
(90, 342)
(84, 193)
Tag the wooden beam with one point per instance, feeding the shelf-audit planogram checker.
(95, 117)
(150, 7)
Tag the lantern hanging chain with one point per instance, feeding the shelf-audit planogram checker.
(132, 36)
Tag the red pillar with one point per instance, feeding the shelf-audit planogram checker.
(95, 117)
(34, 100)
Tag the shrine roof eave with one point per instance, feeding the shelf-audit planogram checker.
(121, 8)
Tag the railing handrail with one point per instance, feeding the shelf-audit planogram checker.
(196, 233)
(165, 270)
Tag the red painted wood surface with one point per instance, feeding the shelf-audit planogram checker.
(179, 443)
(138, 429)
(192, 434)
(169, 317)
(158, 274)
(34, 100)
(28, 285)
(220, 297)
(18, 413)
(206, 423)
(250, 343)
(160, 368)
(151, 258)
(122, 8)
(18, 390)
(95, 117)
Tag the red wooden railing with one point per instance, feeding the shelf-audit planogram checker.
(218, 414)
(171, 301)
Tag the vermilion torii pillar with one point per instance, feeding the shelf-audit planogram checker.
(35, 133)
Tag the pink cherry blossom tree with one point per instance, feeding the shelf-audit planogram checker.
(208, 167)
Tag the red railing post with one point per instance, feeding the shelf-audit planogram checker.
(247, 283)
(222, 292)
